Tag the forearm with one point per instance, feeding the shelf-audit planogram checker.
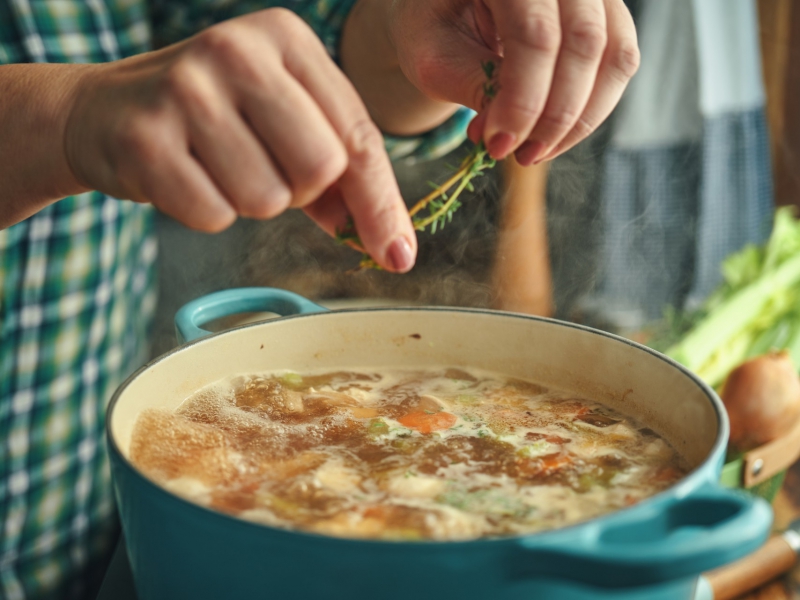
(369, 59)
(34, 106)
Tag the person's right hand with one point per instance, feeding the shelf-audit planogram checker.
(561, 65)
(249, 117)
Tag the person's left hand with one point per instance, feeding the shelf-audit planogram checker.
(562, 65)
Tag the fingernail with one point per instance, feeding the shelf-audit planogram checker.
(500, 145)
(401, 257)
(529, 152)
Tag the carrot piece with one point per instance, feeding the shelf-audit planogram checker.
(426, 422)
(667, 474)
(553, 462)
(544, 465)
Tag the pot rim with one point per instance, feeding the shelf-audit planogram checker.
(681, 488)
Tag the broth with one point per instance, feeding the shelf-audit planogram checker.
(444, 454)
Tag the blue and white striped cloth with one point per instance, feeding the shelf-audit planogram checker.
(686, 176)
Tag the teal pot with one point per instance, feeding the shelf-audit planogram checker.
(653, 550)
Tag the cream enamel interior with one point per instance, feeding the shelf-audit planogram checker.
(602, 368)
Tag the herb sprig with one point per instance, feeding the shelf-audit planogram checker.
(441, 203)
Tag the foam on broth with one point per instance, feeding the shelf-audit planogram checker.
(442, 454)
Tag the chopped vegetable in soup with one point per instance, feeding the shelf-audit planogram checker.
(404, 455)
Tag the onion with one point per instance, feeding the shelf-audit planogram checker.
(762, 397)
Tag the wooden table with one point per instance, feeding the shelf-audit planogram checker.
(787, 509)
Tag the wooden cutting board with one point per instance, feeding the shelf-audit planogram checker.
(787, 509)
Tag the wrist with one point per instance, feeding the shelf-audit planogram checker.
(369, 58)
(34, 108)
(71, 128)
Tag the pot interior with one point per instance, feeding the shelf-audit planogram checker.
(628, 377)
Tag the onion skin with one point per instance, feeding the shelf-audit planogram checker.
(762, 397)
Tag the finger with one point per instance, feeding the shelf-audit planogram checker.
(230, 152)
(583, 23)
(329, 211)
(373, 199)
(620, 62)
(181, 188)
(530, 31)
(368, 186)
(297, 135)
(475, 128)
(155, 165)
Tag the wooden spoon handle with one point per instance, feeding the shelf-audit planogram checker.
(773, 558)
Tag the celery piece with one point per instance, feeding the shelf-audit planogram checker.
(754, 311)
(292, 379)
(775, 336)
(733, 316)
(784, 241)
(744, 267)
(793, 343)
(378, 427)
(726, 358)
(538, 448)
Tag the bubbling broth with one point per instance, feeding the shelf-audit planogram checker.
(447, 454)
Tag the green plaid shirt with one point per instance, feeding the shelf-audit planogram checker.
(77, 297)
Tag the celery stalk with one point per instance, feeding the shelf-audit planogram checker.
(732, 317)
(793, 343)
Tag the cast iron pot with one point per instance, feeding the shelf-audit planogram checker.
(653, 550)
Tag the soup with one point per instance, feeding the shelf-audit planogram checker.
(445, 454)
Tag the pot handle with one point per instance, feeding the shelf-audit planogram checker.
(194, 314)
(708, 528)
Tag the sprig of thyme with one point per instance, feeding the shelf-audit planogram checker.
(441, 204)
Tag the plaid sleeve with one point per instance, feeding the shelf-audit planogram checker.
(173, 21)
(176, 20)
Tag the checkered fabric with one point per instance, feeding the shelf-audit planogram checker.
(77, 298)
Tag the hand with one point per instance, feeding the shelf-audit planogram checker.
(248, 118)
(562, 65)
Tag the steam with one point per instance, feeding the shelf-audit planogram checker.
(574, 188)
(454, 266)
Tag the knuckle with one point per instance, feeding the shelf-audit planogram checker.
(285, 18)
(583, 128)
(325, 172)
(191, 92)
(380, 219)
(586, 39)
(178, 78)
(137, 138)
(526, 111)
(625, 59)
(288, 28)
(210, 221)
(225, 47)
(364, 144)
(384, 211)
(312, 178)
(266, 204)
(559, 119)
(539, 32)
(234, 63)
(222, 42)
